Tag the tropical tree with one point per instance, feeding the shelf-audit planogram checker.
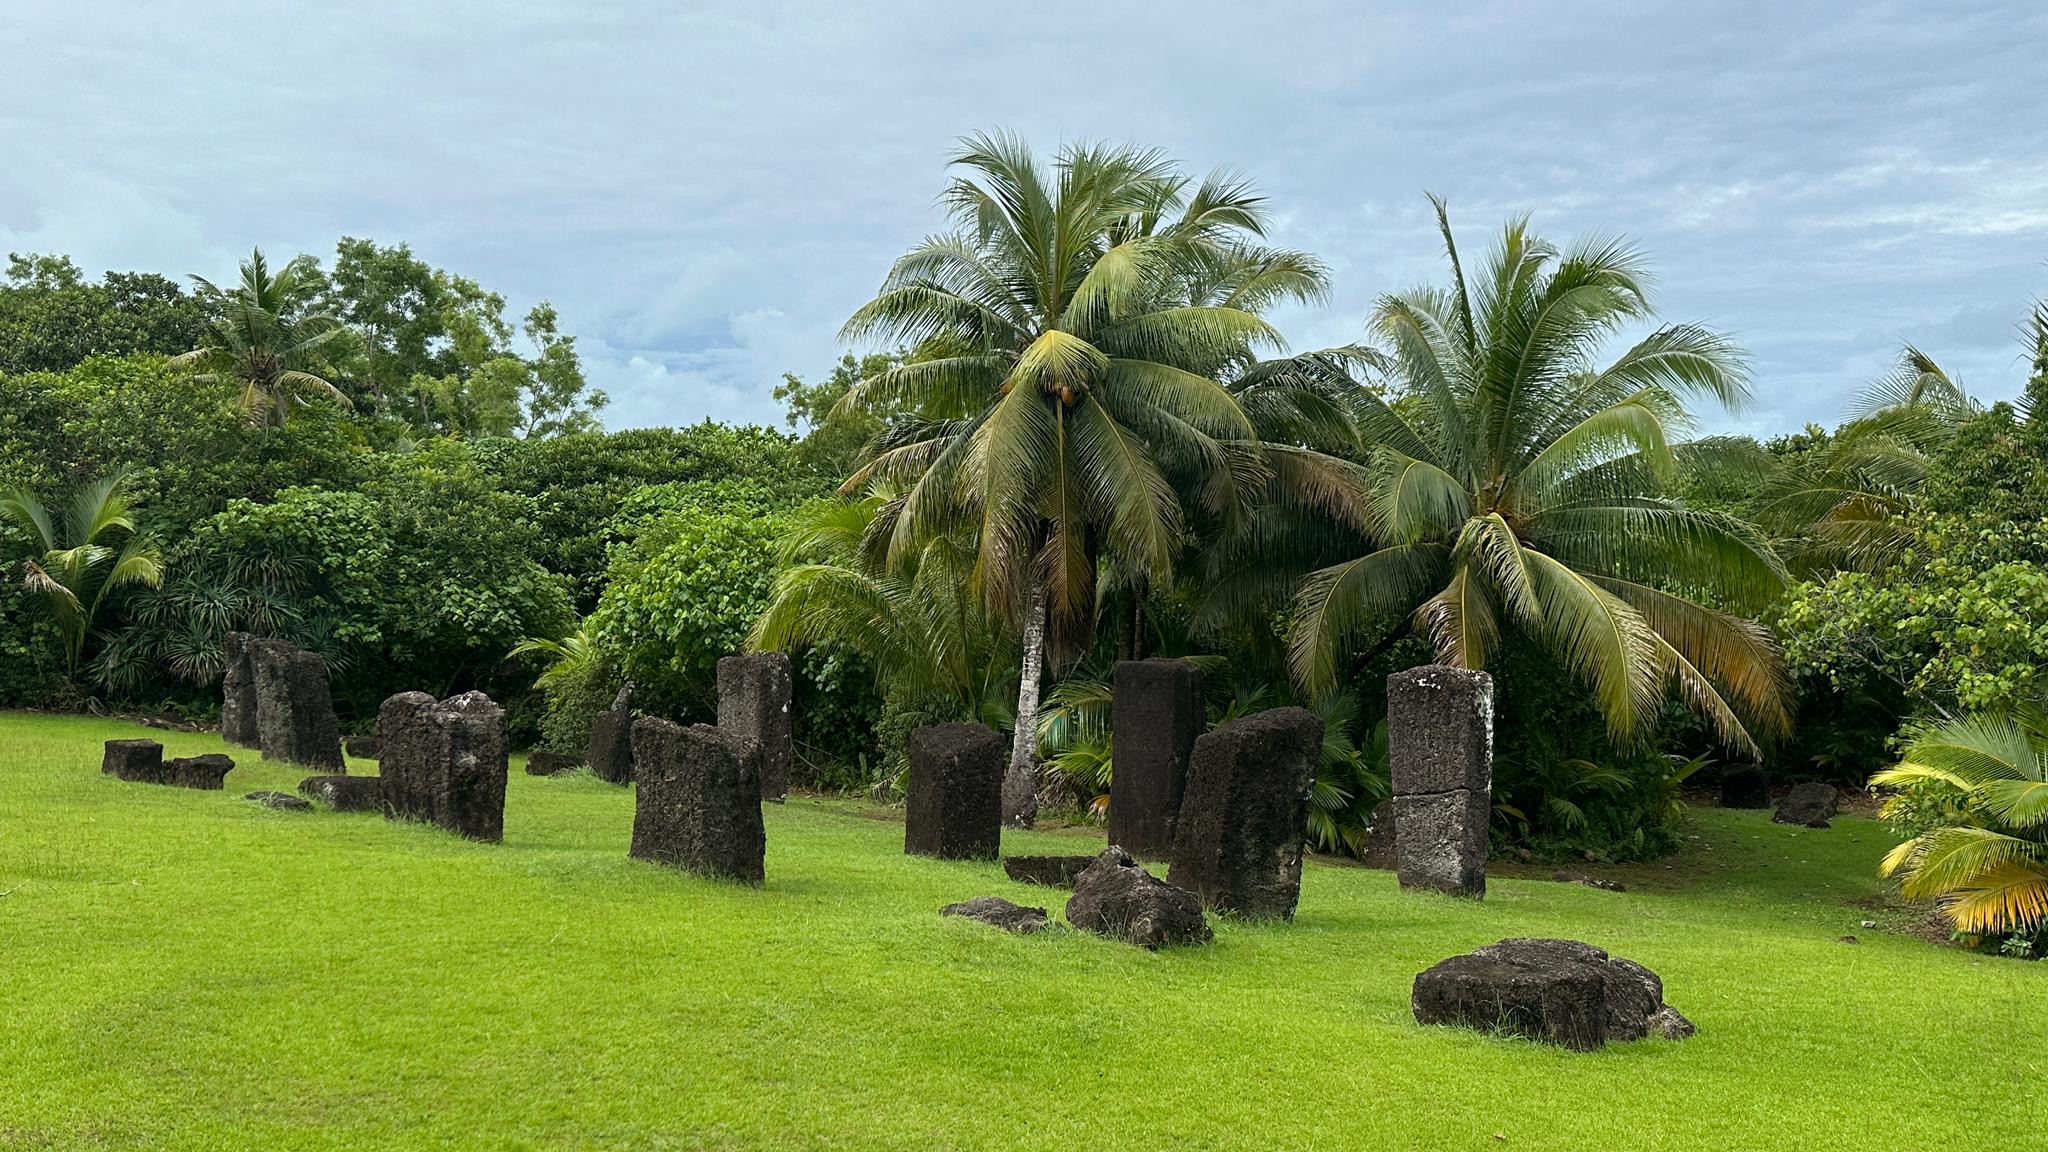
(91, 552)
(1986, 861)
(263, 336)
(1070, 333)
(1515, 483)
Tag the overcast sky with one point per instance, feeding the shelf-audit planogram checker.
(705, 191)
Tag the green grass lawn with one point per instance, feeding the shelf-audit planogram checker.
(185, 969)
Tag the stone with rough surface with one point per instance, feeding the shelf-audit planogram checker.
(1440, 841)
(1810, 804)
(238, 693)
(954, 809)
(137, 761)
(1566, 876)
(999, 912)
(1440, 751)
(1742, 786)
(1155, 717)
(551, 763)
(294, 714)
(1116, 898)
(698, 805)
(753, 700)
(207, 773)
(1558, 991)
(444, 762)
(362, 747)
(345, 793)
(610, 754)
(1051, 871)
(1239, 837)
(280, 801)
(1379, 837)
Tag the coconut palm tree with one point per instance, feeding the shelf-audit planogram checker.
(262, 336)
(1071, 330)
(79, 566)
(1988, 865)
(1516, 483)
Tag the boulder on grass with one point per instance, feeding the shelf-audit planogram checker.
(345, 793)
(1557, 991)
(1116, 898)
(137, 761)
(1810, 804)
(551, 763)
(999, 912)
(205, 773)
(363, 747)
(1742, 786)
(1051, 871)
(280, 801)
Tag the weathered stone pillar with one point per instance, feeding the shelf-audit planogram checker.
(445, 762)
(955, 805)
(1440, 742)
(238, 693)
(610, 754)
(698, 800)
(294, 713)
(1238, 839)
(1156, 715)
(753, 700)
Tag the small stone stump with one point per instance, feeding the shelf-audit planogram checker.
(362, 747)
(238, 693)
(1440, 744)
(345, 793)
(1116, 898)
(207, 773)
(1742, 786)
(1156, 715)
(999, 912)
(294, 713)
(1812, 805)
(444, 762)
(1238, 840)
(280, 801)
(753, 700)
(610, 754)
(954, 809)
(551, 763)
(698, 805)
(1558, 991)
(1051, 871)
(137, 761)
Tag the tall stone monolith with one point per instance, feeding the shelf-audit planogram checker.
(753, 700)
(294, 713)
(1440, 744)
(697, 802)
(1155, 717)
(1238, 840)
(954, 809)
(444, 762)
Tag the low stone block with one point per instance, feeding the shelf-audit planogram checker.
(1558, 991)
(1742, 786)
(206, 773)
(345, 793)
(1239, 837)
(754, 693)
(698, 801)
(1116, 898)
(1156, 715)
(1812, 805)
(294, 714)
(1440, 841)
(954, 809)
(137, 761)
(610, 754)
(280, 801)
(551, 763)
(999, 912)
(363, 747)
(1051, 871)
(444, 762)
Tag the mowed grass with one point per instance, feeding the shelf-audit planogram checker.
(185, 969)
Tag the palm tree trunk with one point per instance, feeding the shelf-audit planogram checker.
(1020, 783)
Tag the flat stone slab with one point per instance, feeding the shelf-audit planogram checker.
(1051, 871)
(1812, 805)
(551, 763)
(1116, 898)
(1561, 992)
(345, 793)
(999, 912)
(280, 801)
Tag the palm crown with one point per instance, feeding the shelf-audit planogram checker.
(263, 337)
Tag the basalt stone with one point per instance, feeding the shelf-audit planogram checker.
(238, 693)
(137, 761)
(1379, 851)
(1565, 876)
(280, 801)
(1742, 786)
(1810, 804)
(999, 912)
(698, 802)
(206, 773)
(363, 747)
(1116, 898)
(444, 762)
(1440, 749)
(1156, 716)
(954, 809)
(551, 763)
(1238, 840)
(345, 793)
(1051, 871)
(753, 700)
(294, 713)
(610, 754)
(1557, 991)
